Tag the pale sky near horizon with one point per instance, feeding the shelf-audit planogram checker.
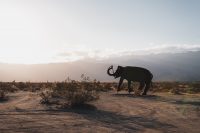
(44, 31)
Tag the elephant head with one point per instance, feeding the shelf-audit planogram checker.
(117, 73)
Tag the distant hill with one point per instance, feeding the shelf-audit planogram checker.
(165, 67)
(168, 67)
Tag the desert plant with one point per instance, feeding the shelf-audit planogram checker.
(23, 85)
(107, 87)
(193, 90)
(72, 93)
(175, 91)
(3, 95)
(45, 95)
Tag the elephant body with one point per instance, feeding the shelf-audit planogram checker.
(137, 74)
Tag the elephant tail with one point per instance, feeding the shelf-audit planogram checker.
(151, 80)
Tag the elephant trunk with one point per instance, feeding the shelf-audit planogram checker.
(108, 71)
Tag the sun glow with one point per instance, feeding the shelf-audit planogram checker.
(33, 32)
(23, 54)
(23, 39)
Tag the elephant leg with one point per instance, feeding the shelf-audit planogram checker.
(148, 84)
(120, 83)
(129, 86)
(142, 84)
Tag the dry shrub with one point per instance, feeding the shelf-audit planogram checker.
(25, 86)
(177, 87)
(3, 95)
(193, 87)
(45, 95)
(13, 88)
(71, 93)
(175, 91)
(6, 86)
(165, 86)
(107, 87)
(193, 90)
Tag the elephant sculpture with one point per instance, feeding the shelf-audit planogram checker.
(137, 74)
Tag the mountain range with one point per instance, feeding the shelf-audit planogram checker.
(165, 67)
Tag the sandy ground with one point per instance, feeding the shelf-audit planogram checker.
(157, 113)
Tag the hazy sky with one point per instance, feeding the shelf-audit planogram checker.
(42, 31)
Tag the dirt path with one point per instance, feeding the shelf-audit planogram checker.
(112, 113)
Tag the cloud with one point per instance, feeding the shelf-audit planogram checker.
(172, 48)
(78, 54)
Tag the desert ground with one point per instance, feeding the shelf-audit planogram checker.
(122, 112)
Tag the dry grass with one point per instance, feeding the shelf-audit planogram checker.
(177, 87)
(72, 93)
(3, 95)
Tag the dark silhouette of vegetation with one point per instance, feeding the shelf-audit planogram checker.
(173, 87)
(3, 96)
(177, 87)
(72, 93)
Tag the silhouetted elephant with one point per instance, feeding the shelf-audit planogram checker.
(138, 74)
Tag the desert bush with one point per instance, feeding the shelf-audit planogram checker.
(165, 86)
(107, 87)
(25, 86)
(193, 90)
(36, 87)
(71, 93)
(194, 84)
(13, 88)
(175, 91)
(177, 87)
(5, 86)
(194, 87)
(45, 95)
(3, 95)
(124, 86)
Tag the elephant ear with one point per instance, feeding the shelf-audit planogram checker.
(119, 71)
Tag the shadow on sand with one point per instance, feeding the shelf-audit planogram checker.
(179, 101)
(4, 100)
(106, 119)
(122, 122)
